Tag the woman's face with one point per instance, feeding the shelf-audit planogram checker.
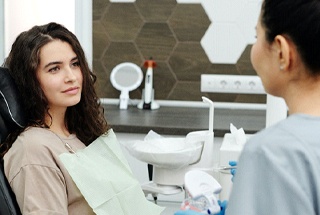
(59, 75)
(265, 62)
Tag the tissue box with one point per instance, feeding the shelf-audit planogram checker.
(229, 150)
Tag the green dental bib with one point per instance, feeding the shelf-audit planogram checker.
(105, 179)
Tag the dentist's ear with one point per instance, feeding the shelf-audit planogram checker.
(286, 52)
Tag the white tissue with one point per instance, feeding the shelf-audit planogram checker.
(238, 134)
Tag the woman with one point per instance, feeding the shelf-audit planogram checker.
(279, 168)
(278, 171)
(63, 115)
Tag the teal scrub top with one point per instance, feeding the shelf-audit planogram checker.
(279, 170)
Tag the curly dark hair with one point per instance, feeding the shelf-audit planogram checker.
(86, 119)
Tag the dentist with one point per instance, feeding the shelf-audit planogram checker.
(278, 169)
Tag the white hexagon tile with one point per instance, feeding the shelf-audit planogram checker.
(232, 28)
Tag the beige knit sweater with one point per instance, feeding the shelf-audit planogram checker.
(38, 178)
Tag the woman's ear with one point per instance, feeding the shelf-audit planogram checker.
(285, 51)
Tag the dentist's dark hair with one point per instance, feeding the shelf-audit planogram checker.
(298, 20)
(86, 119)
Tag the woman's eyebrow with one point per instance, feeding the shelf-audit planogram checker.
(75, 58)
(59, 62)
(52, 63)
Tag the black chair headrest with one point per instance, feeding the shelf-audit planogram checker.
(11, 111)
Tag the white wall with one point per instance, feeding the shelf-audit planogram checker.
(1, 31)
(21, 15)
(76, 15)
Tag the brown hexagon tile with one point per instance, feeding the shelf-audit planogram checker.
(234, 97)
(245, 56)
(100, 40)
(122, 21)
(189, 22)
(189, 61)
(98, 8)
(245, 68)
(244, 64)
(155, 40)
(155, 10)
(184, 90)
(103, 84)
(119, 52)
(222, 97)
(97, 27)
(223, 69)
(134, 94)
(251, 98)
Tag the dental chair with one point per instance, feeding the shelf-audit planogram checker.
(11, 118)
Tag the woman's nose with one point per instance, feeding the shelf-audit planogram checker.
(70, 76)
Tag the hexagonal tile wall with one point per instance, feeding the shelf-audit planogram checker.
(186, 38)
(155, 10)
(156, 40)
(122, 21)
(189, 22)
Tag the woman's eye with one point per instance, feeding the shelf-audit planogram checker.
(76, 64)
(54, 69)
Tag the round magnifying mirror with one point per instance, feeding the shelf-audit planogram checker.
(126, 77)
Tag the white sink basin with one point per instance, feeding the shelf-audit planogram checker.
(169, 153)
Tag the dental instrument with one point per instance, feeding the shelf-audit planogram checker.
(148, 102)
(224, 168)
(201, 190)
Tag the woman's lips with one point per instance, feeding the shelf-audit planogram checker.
(71, 90)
